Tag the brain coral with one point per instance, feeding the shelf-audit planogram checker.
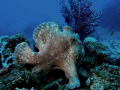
(58, 48)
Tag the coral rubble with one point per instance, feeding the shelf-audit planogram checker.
(61, 49)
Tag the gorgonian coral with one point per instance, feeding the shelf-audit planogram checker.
(80, 17)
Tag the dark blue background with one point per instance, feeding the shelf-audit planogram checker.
(22, 16)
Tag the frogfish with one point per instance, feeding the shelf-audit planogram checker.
(59, 48)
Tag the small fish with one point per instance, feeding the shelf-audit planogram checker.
(112, 33)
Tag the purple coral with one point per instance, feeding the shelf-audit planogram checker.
(80, 17)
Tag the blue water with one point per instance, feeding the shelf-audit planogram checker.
(23, 16)
(17, 15)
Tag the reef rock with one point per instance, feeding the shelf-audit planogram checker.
(61, 49)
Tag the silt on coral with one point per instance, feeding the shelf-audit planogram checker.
(61, 49)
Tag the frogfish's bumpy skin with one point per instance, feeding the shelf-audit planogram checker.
(61, 49)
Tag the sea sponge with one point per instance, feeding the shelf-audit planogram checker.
(61, 49)
(89, 39)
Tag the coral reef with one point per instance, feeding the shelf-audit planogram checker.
(61, 49)
(88, 40)
(2, 47)
(105, 77)
(99, 66)
(96, 53)
(94, 71)
(8, 44)
(114, 50)
(80, 17)
(17, 75)
(13, 40)
(54, 46)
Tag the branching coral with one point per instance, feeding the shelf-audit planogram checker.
(80, 17)
(61, 49)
